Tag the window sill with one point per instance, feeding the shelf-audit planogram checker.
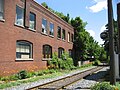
(31, 29)
(63, 40)
(24, 59)
(46, 59)
(2, 20)
(59, 38)
(19, 25)
(51, 36)
(44, 33)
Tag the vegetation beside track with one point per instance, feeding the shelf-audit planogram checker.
(17, 79)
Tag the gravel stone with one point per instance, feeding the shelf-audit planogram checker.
(76, 86)
(89, 81)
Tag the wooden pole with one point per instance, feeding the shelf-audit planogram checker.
(111, 43)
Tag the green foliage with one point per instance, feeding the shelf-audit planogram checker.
(118, 86)
(22, 74)
(44, 4)
(65, 62)
(86, 65)
(103, 86)
(84, 44)
(9, 78)
(54, 63)
(59, 14)
(106, 38)
(96, 62)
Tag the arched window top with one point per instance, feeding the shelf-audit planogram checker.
(23, 42)
(24, 50)
(47, 51)
(61, 48)
(47, 45)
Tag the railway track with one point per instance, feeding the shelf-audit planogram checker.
(61, 83)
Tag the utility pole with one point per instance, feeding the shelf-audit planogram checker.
(111, 43)
(118, 19)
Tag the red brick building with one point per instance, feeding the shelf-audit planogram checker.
(29, 34)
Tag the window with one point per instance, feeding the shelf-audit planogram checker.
(68, 36)
(1, 9)
(70, 52)
(32, 22)
(59, 32)
(51, 29)
(60, 52)
(44, 26)
(72, 37)
(47, 51)
(23, 50)
(19, 16)
(63, 34)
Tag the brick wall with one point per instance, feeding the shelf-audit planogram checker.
(10, 33)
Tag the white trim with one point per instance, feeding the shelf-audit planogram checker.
(3, 20)
(46, 59)
(19, 25)
(32, 29)
(24, 59)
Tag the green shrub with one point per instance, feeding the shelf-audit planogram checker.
(65, 62)
(22, 74)
(31, 74)
(6, 79)
(13, 77)
(103, 86)
(86, 65)
(53, 64)
(96, 62)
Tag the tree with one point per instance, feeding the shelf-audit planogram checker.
(60, 14)
(105, 36)
(81, 42)
(84, 44)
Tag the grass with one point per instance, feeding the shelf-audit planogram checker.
(28, 80)
(57, 73)
(118, 85)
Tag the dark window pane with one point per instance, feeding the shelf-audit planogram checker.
(72, 38)
(44, 26)
(47, 51)
(19, 15)
(32, 21)
(51, 29)
(63, 34)
(59, 32)
(60, 52)
(70, 53)
(1, 9)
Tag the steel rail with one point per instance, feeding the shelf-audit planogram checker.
(61, 83)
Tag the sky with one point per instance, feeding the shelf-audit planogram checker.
(94, 12)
